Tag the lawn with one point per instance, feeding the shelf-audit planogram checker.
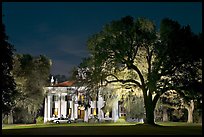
(167, 128)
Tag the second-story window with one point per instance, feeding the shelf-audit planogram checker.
(62, 98)
(68, 98)
(55, 97)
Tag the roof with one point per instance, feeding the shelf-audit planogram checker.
(64, 84)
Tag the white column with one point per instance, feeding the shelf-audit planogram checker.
(76, 111)
(86, 115)
(75, 107)
(64, 108)
(98, 107)
(89, 112)
(59, 105)
(45, 109)
(115, 111)
(99, 102)
(72, 110)
(49, 107)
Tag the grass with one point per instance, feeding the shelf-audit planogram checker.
(178, 124)
(165, 128)
(22, 126)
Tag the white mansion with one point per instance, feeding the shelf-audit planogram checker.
(65, 100)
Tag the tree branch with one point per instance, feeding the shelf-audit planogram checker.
(156, 98)
(149, 58)
(139, 73)
(170, 106)
(123, 81)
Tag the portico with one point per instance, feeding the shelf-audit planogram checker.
(65, 100)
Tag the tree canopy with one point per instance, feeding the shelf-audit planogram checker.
(31, 75)
(158, 60)
(7, 83)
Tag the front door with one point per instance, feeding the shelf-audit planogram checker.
(80, 114)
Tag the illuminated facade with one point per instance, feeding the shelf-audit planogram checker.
(65, 100)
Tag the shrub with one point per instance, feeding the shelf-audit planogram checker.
(197, 116)
(5, 120)
(109, 121)
(121, 120)
(93, 120)
(40, 120)
(123, 117)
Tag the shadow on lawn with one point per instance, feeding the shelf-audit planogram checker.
(139, 129)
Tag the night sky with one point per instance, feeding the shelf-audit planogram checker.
(59, 30)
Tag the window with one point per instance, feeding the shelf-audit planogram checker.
(69, 111)
(62, 97)
(80, 113)
(94, 111)
(55, 112)
(82, 98)
(55, 97)
(110, 114)
(68, 98)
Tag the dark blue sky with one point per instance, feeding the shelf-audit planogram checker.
(60, 30)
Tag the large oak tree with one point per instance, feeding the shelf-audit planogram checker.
(158, 60)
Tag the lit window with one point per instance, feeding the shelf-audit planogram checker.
(94, 111)
(55, 112)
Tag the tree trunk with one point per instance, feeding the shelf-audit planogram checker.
(165, 115)
(149, 115)
(2, 116)
(149, 107)
(97, 105)
(190, 112)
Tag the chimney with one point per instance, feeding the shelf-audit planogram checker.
(52, 81)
